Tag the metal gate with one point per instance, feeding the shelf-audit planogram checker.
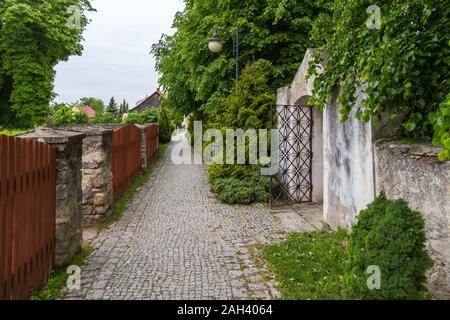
(293, 183)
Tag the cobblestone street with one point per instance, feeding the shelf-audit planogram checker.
(176, 241)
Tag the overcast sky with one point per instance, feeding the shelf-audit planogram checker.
(116, 60)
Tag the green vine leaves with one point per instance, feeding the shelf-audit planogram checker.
(403, 64)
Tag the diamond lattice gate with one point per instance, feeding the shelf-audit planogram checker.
(293, 182)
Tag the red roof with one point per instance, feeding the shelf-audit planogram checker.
(88, 110)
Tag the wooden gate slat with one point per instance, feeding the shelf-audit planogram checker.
(3, 197)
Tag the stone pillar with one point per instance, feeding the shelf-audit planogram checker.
(97, 184)
(69, 220)
(143, 129)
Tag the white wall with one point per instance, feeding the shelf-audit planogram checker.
(317, 160)
(348, 167)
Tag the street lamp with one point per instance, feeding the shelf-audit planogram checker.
(215, 45)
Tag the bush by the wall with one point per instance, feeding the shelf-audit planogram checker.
(64, 115)
(81, 118)
(148, 116)
(244, 190)
(164, 135)
(104, 118)
(218, 171)
(165, 130)
(391, 236)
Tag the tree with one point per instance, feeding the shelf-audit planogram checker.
(248, 105)
(123, 108)
(165, 132)
(34, 36)
(196, 80)
(96, 104)
(112, 106)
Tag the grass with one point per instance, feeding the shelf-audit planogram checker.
(121, 204)
(58, 277)
(11, 132)
(310, 266)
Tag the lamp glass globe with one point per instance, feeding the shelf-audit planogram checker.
(215, 46)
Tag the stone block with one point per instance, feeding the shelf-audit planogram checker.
(96, 171)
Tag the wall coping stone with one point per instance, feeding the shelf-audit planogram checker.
(52, 136)
(417, 150)
(89, 130)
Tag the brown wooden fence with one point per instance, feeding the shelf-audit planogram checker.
(126, 158)
(152, 141)
(27, 215)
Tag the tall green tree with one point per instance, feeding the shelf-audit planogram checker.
(196, 80)
(112, 106)
(35, 35)
(248, 105)
(123, 108)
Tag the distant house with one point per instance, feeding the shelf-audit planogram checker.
(86, 109)
(153, 101)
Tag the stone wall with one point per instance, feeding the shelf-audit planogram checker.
(69, 227)
(97, 187)
(412, 172)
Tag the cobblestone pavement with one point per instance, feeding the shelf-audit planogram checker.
(176, 241)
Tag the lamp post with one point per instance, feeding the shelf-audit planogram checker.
(215, 45)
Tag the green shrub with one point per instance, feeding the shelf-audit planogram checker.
(64, 115)
(105, 117)
(246, 190)
(219, 171)
(391, 236)
(164, 136)
(81, 118)
(148, 116)
(165, 130)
